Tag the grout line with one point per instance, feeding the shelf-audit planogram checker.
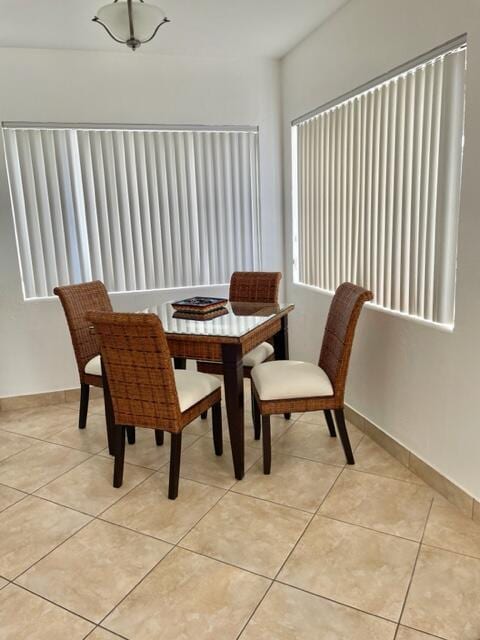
(306, 527)
(382, 475)
(231, 489)
(343, 604)
(56, 604)
(173, 546)
(363, 526)
(21, 450)
(277, 504)
(255, 609)
(425, 633)
(413, 570)
(455, 553)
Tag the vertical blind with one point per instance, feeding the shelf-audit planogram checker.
(138, 209)
(377, 187)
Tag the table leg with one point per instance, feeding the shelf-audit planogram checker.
(280, 344)
(280, 341)
(180, 363)
(233, 380)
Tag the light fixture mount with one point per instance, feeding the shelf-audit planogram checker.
(131, 22)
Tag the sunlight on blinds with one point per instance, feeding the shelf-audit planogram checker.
(137, 209)
(377, 188)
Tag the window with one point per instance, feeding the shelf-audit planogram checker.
(139, 209)
(376, 187)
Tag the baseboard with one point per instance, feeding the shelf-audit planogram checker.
(48, 398)
(448, 489)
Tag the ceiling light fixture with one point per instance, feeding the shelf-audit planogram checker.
(131, 22)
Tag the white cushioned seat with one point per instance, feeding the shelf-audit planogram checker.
(285, 379)
(258, 355)
(193, 386)
(94, 367)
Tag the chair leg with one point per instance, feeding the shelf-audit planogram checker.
(109, 418)
(287, 416)
(119, 437)
(159, 437)
(330, 423)
(204, 415)
(131, 435)
(343, 433)
(175, 453)
(217, 428)
(84, 395)
(257, 426)
(267, 445)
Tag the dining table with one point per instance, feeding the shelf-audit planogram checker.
(226, 339)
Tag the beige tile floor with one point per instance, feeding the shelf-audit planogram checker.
(314, 551)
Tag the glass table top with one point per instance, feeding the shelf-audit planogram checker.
(241, 318)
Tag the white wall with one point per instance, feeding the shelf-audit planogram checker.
(73, 86)
(420, 384)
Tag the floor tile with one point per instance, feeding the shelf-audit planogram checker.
(313, 441)
(371, 457)
(404, 633)
(92, 439)
(449, 529)
(92, 571)
(290, 614)
(313, 417)
(249, 533)
(200, 427)
(384, 504)
(102, 634)
(3, 583)
(11, 443)
(394, 448)
(148, 510)
(279, 427)
(444, 596)
(38, 422)
(34, 467)
(190, 597)
(145, 453)
(32, 528)
(9, 496)
(200, 463)
(294, 482)
(25, 616)
(89, 487)
(354, 566)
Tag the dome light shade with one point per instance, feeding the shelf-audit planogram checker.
(131, 22)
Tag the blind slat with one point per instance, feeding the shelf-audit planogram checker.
(378, 183)
(138, 209)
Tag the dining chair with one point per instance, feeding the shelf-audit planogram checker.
(255, 287)
(77, 300)
(292, 386)
(145, 389)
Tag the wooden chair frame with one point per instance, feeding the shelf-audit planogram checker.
(334, 360)
(141, 385)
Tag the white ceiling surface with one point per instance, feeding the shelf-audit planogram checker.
(199, 27)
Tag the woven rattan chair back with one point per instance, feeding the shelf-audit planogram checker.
(339, 331)
(77, 300)
(139, 369)
(254, 286)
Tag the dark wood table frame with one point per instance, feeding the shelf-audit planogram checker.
(230, 351)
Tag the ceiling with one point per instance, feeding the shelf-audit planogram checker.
(199, 27)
